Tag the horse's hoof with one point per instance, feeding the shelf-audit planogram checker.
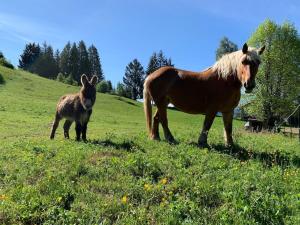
(155, 138)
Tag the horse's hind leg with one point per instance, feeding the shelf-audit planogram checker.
(162, 110)
(155, 127)
(67, 126)
(227, 119)
(55, 125)
(209, 118)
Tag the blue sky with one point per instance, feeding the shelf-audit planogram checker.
(188, 31)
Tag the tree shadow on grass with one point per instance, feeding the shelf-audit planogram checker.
(126, 145)
(126, 101)
(267, 158)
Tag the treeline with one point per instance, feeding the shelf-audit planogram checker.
(133, 79)
(66, 66)
(76, 59)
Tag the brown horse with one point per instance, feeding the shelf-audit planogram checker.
(217, 89)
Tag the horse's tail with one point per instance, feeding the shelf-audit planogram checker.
(147, 106)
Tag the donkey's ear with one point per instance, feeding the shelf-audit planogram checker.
(245, 48)
(261, 50)
(94, 80)
(84, 79)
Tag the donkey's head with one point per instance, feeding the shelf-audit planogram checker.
(248, 66)
(88, 91)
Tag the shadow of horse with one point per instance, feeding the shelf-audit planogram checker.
(267, 158)
(126, 145)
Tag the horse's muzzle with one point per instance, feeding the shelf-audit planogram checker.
(249, 87)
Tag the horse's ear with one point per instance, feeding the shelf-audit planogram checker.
(84, 79)
(261, 50)
(245, 48)
(94, 80)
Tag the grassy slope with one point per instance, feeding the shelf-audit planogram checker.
(122, 177)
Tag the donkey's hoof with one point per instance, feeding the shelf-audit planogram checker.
(229, 145)
(51, 137)
(203, 145)
(172, 141)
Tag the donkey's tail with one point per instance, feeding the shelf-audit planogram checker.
(147, 106)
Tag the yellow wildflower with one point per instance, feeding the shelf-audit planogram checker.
(3, 197)
(124, 199)
(147, 187)
(164, 181)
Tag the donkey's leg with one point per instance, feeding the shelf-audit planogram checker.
(84, 128)
(209, 118)
(162, 109)
(67, 126)
(78, 129)
(227, 119)
(155, 127)
(55, 125)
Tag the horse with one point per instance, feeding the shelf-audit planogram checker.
(76, 107)
(216, 89)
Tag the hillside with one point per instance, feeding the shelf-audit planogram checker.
(121, 177)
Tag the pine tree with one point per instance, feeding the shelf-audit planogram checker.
(226, 46)
(110, 87)
(57, 61)
(29, 56)
(156, 61)
(134, 78)
(84, 64)
(153, 64)
(74, 62)
(65, 59)
(95, 63)
(45, 64)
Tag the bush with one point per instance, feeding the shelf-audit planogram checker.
(60, 77)
(2, 81)
(5, 63)
(67, 80)
(103, 86)
(122, 91)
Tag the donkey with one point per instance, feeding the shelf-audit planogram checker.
(217, 89)
(76, 107)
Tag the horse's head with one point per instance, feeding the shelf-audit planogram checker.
(88, 91)
(248, 66)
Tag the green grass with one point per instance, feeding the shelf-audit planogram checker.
(121, 177)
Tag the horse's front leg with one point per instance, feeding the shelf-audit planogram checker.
(227, 119)
(209, 119)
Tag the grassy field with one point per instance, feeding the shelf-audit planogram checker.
(121, 177)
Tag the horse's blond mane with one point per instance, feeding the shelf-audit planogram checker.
(227, 65)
